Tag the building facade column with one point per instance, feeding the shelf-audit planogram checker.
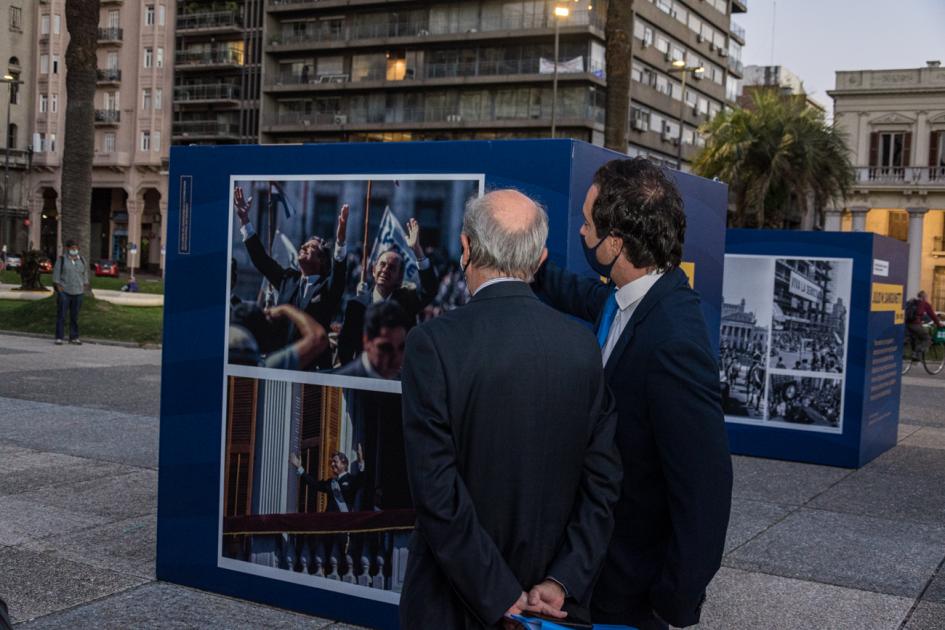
(36, 220)
(916, 225)
(832, 218)
(135, 208)
(859, 218)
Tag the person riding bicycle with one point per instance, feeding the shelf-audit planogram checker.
(916, 311)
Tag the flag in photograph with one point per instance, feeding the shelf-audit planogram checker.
(391, 235)
(279, 197)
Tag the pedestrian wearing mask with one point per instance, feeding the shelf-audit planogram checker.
(70, 280)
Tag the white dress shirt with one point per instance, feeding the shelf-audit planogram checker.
(495, 281)
(629, 297)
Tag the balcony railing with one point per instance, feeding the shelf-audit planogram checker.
(107, 116)
(735, 65)
(209, 92)
(738, 31)
(112, 34)
(443, 70)
(19, 158)
(209, 20)
(450, 115)
(901, 175)
(422, 29)
(187, 128)
(108, 75)
(225, 57)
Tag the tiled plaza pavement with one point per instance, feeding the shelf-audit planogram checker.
(808, 547)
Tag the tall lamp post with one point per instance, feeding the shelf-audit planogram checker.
(680, 66)
(13, 82)
(560, 13)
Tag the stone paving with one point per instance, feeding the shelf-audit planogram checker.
(808, 546)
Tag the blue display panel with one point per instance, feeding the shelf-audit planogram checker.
(811, 340)
(235, 516)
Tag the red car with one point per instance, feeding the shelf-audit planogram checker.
(106, 268)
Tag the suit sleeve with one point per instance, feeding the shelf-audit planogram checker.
(570, 293)
(577, 564)
(446, 516)
(263, 262)
(683, 396)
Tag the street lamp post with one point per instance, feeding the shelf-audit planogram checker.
(12, 81)
(560, 13)
(680, 66)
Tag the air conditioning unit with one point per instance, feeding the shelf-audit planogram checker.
(698, 75)
(723, 52)
(668, 56)
(669, 136)
(639, 125)
(341, 119)
(711, 47)
(646, 44)
(700, 38)
(454, 118)
(423, 32)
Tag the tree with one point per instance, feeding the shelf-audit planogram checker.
(78, 145)
(619, 33)
(782, 161)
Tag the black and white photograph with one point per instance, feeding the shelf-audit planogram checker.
(746, 315)
(329, 273)
(314, 486)
(805, 400)
(811, 303)
(784, 329)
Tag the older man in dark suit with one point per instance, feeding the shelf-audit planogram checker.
(510, 439)
(316, 287)
(674, 506)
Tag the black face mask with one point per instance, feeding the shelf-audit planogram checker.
(590, 253)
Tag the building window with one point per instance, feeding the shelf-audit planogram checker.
(109, 146)
(51, 143)
(44, 64)
(159, 61)
(11, 136)
(145, 99)
(44, 24)
(114, 19)
(145, 140)
(156, 141)
(55, 64)
(158, 97)
(162, 11)
(54, 103)
(16, 18)
(14, 86)
(111, 61)
(43, 103)
(148, 57)
(149, 15)
(57, 24)
(899, 225)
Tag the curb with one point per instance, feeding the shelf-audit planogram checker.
(98, 342)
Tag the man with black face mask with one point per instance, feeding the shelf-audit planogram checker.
(671, 519)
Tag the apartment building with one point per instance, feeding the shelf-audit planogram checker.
(16, 106)
(381, 70)
(895, 126)
(780, 78)
(132, 129)
(217, 71)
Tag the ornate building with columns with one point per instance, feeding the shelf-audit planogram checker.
(895, 126)
(133, 112)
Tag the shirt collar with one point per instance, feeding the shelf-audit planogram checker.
(377, 297)
(496, 281)
(632, 292)
(368, 367)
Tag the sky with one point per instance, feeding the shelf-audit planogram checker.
(815, 38)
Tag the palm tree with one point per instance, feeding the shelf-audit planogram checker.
(79, 142)
(619, 33)
(782, 161)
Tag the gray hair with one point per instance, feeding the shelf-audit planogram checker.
(514, 253)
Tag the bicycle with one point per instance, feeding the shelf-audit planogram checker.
(933, 359)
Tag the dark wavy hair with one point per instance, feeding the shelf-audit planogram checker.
(639, 204)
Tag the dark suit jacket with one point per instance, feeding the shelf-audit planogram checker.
(674, 505)
(325, 299)
(510, 455)
(349, 485)
(411, 299)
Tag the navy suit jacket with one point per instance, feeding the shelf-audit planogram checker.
(672, 516)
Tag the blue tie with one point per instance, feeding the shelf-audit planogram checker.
(607, 318)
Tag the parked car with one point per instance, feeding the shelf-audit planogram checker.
(45, 265)
(106, 268)
(13, 263)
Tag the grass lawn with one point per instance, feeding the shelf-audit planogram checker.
(97, 319)
(146, 283)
